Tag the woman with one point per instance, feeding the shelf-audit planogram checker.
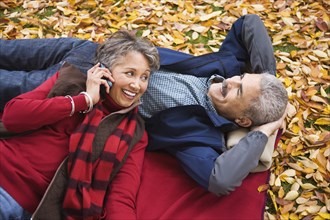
(90, 122)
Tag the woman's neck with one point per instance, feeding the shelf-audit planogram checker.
(110, 105)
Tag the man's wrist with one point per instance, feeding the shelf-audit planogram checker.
(264, 131)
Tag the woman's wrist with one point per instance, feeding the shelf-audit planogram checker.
(89, 101)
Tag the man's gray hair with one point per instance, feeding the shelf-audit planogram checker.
(271, 103)
(123, 42)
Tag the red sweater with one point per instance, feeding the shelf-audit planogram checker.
(29, 162)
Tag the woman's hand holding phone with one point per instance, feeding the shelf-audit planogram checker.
(98, 77)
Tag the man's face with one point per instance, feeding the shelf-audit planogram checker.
(232, 96)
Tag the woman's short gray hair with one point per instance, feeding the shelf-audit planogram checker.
(123, 42)
(271, 103)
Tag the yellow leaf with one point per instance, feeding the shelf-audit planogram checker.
(287, 207)
(294, 216)
(87, 21)
(318, 99)
(291, 110)
(313, 209)
(194, 35)
(324, 215)
(273, 197)
(315, 105)
(258, 7)
(289, 172)
(282, 177)
(280, 66)
(323, 93)
(308, 186)
(90, 3)
(293, 53)
(295, 129)
(301, 200)
(72, 2)
(295, 166)
(288, 21)
(285, 215)
(311, 91)
(295, 186)
(308, 170)
(189, 6)
(277, 38)
(66, 11)
(320, 53)
(281, 193)
(211, 15)
(290, 180)
(178, 41)
(291, 195)
(322, 121)
(287, 81)
(263, 188)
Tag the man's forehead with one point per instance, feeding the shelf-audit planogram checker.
(251, 82)
(252, 77)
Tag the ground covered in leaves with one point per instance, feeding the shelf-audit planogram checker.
(300, 32)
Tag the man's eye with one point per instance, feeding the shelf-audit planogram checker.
(238, 92)
(129, 73)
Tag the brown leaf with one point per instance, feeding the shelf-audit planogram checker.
(322, 25)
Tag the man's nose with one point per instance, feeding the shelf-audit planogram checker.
(234, 82)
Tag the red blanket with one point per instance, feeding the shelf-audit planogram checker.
(167, 192)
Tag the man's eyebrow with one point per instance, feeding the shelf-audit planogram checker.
(240, 91)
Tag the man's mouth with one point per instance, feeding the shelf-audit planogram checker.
(224, 88)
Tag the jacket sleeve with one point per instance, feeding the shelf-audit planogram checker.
(232, 166)
(197, 144)
(221, 173)
(204, 65)
(121, 201)
(33, 109)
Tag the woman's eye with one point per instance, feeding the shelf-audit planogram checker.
(144, 78)
(129, 73)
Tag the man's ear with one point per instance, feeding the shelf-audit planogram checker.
(244, 122)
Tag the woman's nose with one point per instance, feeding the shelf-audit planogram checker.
(135, 84)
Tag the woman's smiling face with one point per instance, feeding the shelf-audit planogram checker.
(131, 74)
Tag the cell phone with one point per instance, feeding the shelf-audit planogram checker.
(108, 81)
(102, 87)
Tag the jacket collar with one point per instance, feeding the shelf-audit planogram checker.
(221, 122)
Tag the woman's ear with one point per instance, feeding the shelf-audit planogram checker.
(244, 122)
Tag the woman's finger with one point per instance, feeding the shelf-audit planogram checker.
(106, 85)
(91, 70)
(109, 76)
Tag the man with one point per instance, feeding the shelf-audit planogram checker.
(188, 108)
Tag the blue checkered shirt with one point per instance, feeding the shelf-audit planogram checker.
(169, 89)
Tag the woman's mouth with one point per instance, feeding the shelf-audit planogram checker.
(129, 94)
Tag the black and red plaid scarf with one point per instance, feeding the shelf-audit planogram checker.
(88, 181)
